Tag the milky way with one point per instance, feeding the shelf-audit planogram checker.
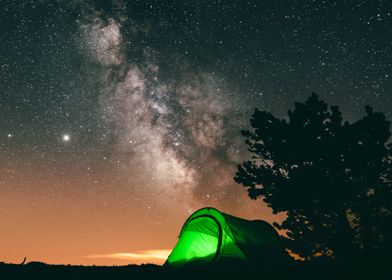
(180, 137)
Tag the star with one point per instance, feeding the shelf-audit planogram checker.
(66, 137)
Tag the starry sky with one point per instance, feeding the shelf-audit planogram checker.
(120, 118)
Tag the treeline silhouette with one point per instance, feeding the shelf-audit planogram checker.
(355, 268)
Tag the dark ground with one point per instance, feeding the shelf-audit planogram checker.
(322, 269)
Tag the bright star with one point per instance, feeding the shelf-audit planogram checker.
(66, 137)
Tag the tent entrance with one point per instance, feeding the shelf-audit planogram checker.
(200, 241)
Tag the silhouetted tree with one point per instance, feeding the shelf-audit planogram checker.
(332, 179)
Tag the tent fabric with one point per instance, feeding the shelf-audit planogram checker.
(210, 236)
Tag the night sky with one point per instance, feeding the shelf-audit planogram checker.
(120, 118)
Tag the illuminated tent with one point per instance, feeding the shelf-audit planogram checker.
(210, 236)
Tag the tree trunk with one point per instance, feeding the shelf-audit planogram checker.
(344, 240)
(366, 233)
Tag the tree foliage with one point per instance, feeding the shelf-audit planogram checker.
(331, 178)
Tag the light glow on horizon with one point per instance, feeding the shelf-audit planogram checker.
(156, 256)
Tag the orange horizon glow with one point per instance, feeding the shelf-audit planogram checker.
(81, 225)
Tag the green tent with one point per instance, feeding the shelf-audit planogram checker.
(210, 236)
